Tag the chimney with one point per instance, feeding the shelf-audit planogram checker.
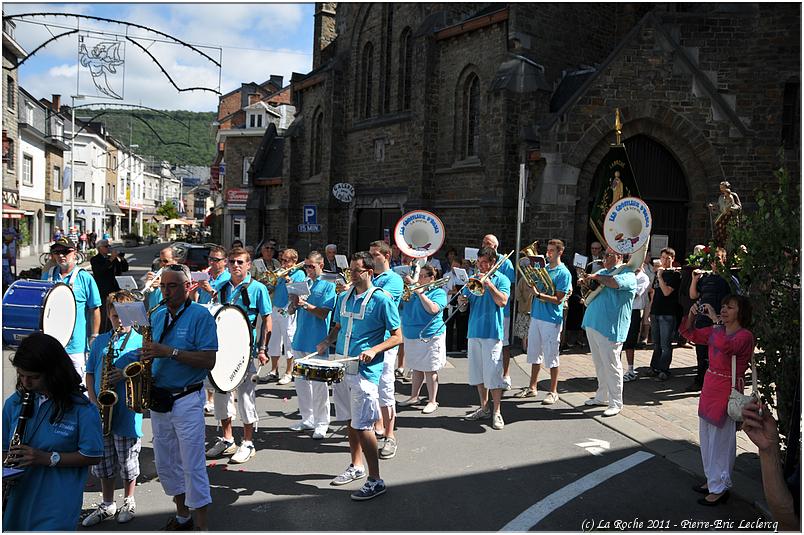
(252, 98)
(276, 80)
(324, 31)
(55, 103)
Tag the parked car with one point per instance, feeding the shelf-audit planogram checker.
(196, 257)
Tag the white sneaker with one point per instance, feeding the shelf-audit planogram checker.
(301, 426)
(320, 432)
(221, 447)
(126, 513)
(612, 411)
(497, 421)
(100, 514)
(550, 398)
(245, 452)
(285, 379)
(594, 402)
(507, 381)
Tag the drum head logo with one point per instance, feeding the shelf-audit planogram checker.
(627, 225)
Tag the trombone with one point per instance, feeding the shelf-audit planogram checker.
(475, 284)
(407, 293)
(271, 278)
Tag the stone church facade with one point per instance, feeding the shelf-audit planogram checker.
(438, 106)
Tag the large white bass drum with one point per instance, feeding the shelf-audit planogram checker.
(234, 347)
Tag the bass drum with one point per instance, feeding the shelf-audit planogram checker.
(234, 347)
(38, 306)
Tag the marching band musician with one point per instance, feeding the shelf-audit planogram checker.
(62, 437)
(252, 297)
(284, 322)
(507, 269)
(167, 257)
(388, 280)
(363, 317)
(184, 346)
(486, 337)
(87, 300)
(606, 322)
(266, 261)
(312, 320)
(424, 335)
(121, 448)
(546, 317)
(205, 293)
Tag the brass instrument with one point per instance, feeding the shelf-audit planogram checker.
(271, 278)
(347, 277)
(139, 381)
(407, 293)
(137, 294)
(107, 397)
(536, 277)
(26, 411)
(586, 286)
(149, 286)
(475, 284)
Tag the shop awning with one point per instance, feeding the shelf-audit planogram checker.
(9, 212)
(113, 209)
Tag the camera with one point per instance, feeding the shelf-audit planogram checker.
(701, 308)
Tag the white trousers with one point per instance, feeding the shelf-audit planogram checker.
(246, 402)
(80, 364)
(313, 401)
(718, 451)
(609, 369)
(179, 450)
(283, 328)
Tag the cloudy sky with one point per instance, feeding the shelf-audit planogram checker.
(252, 41)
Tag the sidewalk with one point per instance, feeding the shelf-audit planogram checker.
(662, 416)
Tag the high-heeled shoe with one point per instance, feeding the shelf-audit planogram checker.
(723, 498)
(700, 490)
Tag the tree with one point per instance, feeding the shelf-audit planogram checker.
(770, 276)
(168, 210)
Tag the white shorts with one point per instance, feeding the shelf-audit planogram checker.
(506, 330)
(485, 362)
(282, 330)
(356, 400)
(246, 402)
(79, 361)
(427, 356)
(386, 387)
(543, 342)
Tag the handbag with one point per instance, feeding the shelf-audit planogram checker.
(737, 400)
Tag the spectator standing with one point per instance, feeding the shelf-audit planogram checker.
(106, 265)
(663, 311)
(639, 304)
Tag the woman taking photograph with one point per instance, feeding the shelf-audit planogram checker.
(62, 437)
(728, 338)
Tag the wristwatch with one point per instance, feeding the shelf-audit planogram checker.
(175, 354)
(54, 459)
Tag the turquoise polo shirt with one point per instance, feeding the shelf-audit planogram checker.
(125, 422)
(87, 297)
(391, 282)
(204, 297)
(194, 330)
(562, 279)
(381, 316)
(281, 298)
(310, 329)
(259, 300)
(610, 312)
(485, 317)
(415, 318)
(45, 498)
(507, 269)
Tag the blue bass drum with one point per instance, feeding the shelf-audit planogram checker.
(38, 306)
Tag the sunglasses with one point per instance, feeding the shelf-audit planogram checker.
(238, 262)
(357, 270)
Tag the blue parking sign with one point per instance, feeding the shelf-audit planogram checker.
(310, 214)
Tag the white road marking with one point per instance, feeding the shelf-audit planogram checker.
(595, 446)
(536, 512)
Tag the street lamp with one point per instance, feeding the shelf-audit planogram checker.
(72, 159)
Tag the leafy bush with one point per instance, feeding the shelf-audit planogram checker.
(771, 277)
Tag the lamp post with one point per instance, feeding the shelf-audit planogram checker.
(73, 98)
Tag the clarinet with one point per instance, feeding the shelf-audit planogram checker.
(26, 411)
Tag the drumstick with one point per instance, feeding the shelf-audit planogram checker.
(256, 375)
(347, 359)
(311, 355)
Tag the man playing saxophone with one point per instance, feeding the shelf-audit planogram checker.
(121, 446)
(183, 349)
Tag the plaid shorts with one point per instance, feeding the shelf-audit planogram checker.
(119, 451)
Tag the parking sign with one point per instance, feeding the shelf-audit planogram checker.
(310, 215)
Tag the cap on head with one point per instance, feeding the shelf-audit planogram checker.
(62, 245)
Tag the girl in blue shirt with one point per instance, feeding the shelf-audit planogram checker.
(62, 437)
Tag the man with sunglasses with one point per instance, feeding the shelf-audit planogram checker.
(312, 320)
(252, 297)
(606, 322)
(364, 316)
(87, 300)
(284, 321)
(204, 293)
(183, 350)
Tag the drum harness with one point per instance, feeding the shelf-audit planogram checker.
(352, 370)
(245, 298)
(73, 275)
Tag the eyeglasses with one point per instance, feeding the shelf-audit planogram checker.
(214, 259)
(358, 270)
(309, 266)
(237, 261)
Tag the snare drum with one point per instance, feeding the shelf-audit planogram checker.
(319, 370)
(31, 306)
(234, 347)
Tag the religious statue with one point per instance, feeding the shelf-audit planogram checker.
(728, 209)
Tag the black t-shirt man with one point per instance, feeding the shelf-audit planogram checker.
(666, 305)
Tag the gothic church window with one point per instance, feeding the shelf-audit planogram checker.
(388, 15)
(405, 69)
(366, 81)
(470, 116)
(316, 143)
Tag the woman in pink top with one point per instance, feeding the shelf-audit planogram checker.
(728, 337)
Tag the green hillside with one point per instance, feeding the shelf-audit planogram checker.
(187, 137)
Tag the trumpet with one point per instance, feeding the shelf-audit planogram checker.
(271, 278)
(407, 293)
(139, 380)
(149, 286)
(107, 397)
(340, 287)
(475, 284)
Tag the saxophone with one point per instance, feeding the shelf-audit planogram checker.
(26, 411)
(139, 380)
(107, 397)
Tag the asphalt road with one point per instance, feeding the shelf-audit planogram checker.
(551, 469)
